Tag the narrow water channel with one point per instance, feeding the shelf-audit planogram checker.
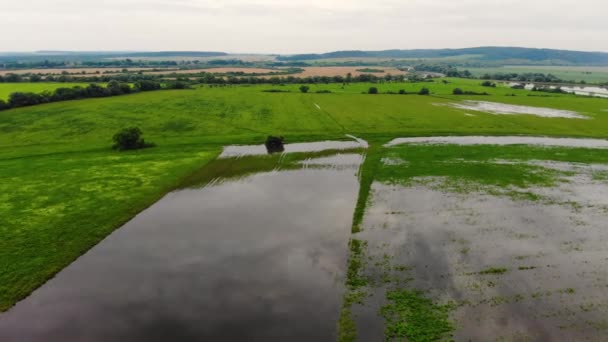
(257, 258)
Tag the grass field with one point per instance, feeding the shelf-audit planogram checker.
(64, 189)
(566, 73)
(7, 88)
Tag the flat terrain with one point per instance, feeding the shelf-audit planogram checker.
(62, 189)
(343, 71)
(7, 88)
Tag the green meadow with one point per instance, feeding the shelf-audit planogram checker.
(63, 189)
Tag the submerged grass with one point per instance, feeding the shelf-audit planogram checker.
(498, 170)
(367, 174)
(410, 316)
(355, 290)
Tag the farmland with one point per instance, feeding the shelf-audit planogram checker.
(60, 173)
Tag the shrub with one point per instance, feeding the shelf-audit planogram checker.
(323, 91)
(115, 88)
(402, 92)
(275, 91)
(372, 90)
(146, 85)
(19, 99)
(95, 90)
(274, 144)
(488, 84)
(457, 91)
(4, 105)
(178, 85)
(304, 89)
(424, 91)
(129, 139)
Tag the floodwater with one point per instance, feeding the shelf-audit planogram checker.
(508, 109)
(578, 90)
(587, 91)
(553, 285)
(258, 150)
(261, 258)
(503, 140)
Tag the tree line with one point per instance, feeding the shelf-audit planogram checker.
(114, 88)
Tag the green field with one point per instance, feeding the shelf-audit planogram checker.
(8, 88)
(567, 73)
(64, 189)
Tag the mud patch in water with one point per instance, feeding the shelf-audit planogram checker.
(503, 140)
(508, 109)
(260, 258)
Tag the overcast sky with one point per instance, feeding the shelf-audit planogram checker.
(286, 26)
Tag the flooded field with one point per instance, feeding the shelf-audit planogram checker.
(485, 243)
(578, 90)
(465, 238)
(258, 256)
(508, 109)
(505, 140)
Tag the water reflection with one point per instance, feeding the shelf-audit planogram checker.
(260, 258)
(259, 150)
(502, 140)
(554, 283)
(509, 109)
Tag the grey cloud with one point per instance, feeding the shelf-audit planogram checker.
(294, 26)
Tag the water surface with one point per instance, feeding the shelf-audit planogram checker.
(503, 140)
(508, 109)
(260, 258)
(259, 150)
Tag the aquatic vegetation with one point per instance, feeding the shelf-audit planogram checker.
(494, 270)
(411, 316)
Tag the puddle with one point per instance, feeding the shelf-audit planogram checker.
(545, 276)
(506, 140)
(260, 258)
(508, 109)
(258, 150)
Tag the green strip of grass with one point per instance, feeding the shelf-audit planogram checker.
(355, 284)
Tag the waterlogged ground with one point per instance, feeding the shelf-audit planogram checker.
(252, 249)
(509, 109)
(466, 238)
(484, 243)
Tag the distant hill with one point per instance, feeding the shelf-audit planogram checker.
(484, 53)
(97, 55)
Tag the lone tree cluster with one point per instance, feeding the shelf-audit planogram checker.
(274, 144)
(129, 139)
